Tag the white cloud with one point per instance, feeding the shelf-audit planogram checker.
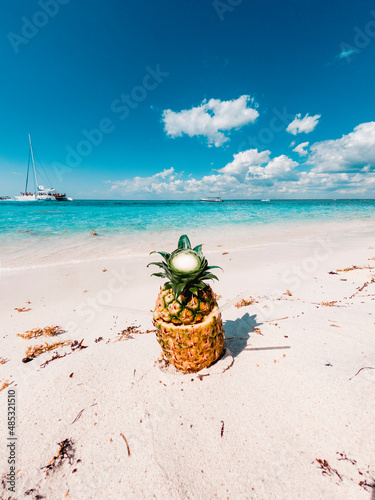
(278, 168)
(248, 165)
(243, 161)
(334, 168)
(244, 176)
(156, 183)
(352, 152)
(165, 173)
(210, 119)
(163, 183)
(300, 149)
(333, 183)
(306, 124)
(278, 178)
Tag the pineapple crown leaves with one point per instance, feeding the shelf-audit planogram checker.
(185, 268)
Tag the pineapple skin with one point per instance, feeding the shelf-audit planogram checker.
(187, 309)
(189, 330)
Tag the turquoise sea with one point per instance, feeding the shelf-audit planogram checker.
(54, 218)
(32, 231)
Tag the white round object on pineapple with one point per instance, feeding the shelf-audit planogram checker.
(186, 262)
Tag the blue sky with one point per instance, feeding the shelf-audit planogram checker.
(177, 100)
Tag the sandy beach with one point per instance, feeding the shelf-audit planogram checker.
(289, 413)
(187, 250)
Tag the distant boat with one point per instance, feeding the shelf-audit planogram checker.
(266, 200)
(40, 192)
(213, 199)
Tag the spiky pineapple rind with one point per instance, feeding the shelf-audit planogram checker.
(192, 348)
(187, 309)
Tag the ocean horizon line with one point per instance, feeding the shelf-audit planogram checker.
(227, 199)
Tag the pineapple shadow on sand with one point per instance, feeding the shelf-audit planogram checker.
(237, 332)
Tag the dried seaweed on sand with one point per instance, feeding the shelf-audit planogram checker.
(5, 384)
(328, 304)
(130, 331)
(364, 368)
(75, 345)
(34, 351)
(126, 442)
(327, 469)
(66, 452)
(353, 268)
(361, 288)
(344, 457)
(55, 356)
(47, 331)
(245, 302)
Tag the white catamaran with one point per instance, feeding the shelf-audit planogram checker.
(40, 192)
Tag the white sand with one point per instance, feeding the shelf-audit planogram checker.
(253, 429)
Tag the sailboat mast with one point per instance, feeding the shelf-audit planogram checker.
(32, 157)
(27, 175)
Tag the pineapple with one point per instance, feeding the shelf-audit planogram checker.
(188, 324)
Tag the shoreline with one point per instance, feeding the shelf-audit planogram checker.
(41, 252)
